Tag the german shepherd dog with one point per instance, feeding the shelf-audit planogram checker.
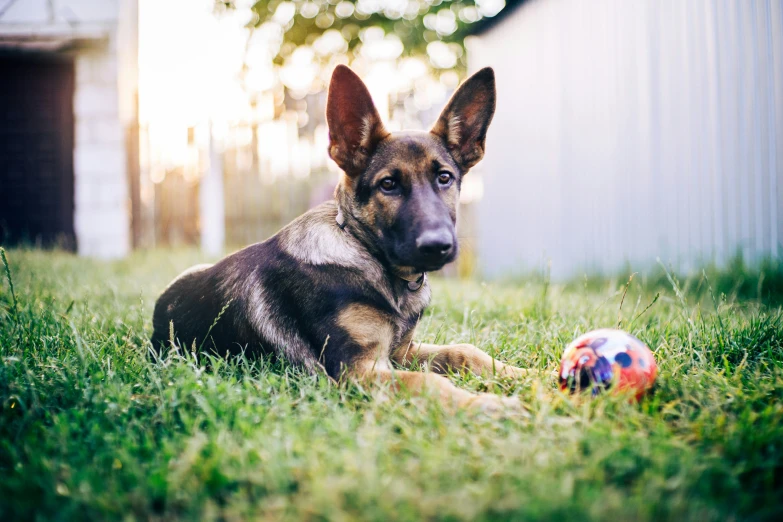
(342, 287)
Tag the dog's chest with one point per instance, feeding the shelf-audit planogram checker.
(411, 305)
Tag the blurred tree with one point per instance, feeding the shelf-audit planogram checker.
(422, 26)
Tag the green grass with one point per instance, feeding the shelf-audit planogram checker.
(90, 428)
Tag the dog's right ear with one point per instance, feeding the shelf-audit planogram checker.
(355, 127)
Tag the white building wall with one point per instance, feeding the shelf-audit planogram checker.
(105, 53)
(631, 131)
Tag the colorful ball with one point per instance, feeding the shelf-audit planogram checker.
(608, 359)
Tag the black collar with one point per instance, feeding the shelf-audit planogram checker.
(414, 282)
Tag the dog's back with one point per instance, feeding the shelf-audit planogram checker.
(176, 306)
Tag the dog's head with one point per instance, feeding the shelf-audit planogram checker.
(402, 188)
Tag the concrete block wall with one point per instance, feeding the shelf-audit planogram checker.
(102, 213)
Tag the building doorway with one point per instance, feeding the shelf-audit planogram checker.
(36, 150)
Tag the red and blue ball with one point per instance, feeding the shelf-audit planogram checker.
(608, 359)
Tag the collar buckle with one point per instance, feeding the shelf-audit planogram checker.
(340, 218)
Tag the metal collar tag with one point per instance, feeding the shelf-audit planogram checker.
(415, 285)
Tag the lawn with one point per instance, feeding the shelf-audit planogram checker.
(92, 429)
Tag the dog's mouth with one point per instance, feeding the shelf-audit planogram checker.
(433, 267)
(418, 264)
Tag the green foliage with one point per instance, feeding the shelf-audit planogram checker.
(408, 20)
(93, 428)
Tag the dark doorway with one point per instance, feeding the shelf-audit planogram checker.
(36, 150)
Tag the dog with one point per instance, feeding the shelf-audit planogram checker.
(341, 288)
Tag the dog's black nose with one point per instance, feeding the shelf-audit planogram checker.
(435, 244)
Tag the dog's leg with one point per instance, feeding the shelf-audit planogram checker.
(371, 335)
(419, 383)
(454, 357)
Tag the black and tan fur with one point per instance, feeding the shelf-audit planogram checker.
(341, 298)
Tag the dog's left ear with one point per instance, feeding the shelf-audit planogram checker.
(355, 127)
(464, 122)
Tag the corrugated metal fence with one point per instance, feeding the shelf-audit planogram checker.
(630, 131)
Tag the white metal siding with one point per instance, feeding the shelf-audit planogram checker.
(630, 131)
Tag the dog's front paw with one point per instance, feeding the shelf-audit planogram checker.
(495, 405)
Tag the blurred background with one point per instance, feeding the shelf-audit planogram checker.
(626, 132)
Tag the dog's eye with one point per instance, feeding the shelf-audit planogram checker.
(445, 178)
(388, 184)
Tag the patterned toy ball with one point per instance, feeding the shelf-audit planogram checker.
(607, 358)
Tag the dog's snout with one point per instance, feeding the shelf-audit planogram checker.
(435, 244)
